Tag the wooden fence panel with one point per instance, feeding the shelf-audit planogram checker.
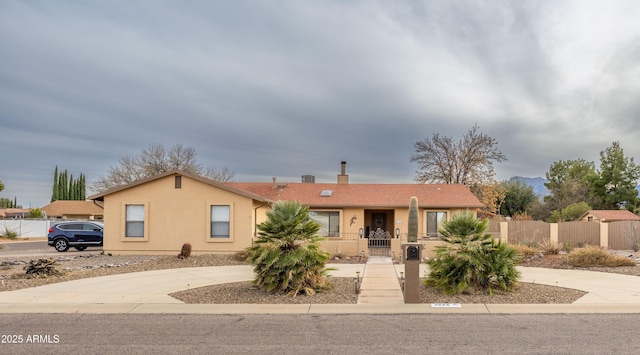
(494, 228)
(528, 232)
(579, 233)
(623, 234)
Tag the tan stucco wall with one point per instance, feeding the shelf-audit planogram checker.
(177, 216)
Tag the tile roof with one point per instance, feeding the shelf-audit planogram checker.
(12, 212)
(614, 215)
(366, 195)
(100, 196)
(63, 207)
(342, 195)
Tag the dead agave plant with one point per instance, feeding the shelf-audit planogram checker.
(42, 267)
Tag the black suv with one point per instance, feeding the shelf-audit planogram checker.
(79, 235)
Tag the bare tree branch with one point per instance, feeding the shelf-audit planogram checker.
(468, 161)
(154, 160)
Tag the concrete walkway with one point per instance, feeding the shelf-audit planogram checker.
(147, 292)
(380, 283)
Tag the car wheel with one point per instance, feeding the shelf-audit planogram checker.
(61, 245)
(80, 248)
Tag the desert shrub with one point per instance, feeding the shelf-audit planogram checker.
(6, 232)
(287, 255)
(551, 247)
(531, 243)
(471, 260)
(596, 256)
(525, 251)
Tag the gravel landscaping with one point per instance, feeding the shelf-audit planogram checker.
(13, 277)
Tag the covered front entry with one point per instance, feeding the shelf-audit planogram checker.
(379, 230)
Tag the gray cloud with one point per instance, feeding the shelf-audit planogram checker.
(291, 88)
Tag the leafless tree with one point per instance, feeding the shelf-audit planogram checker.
(468, 161)
(154, 160)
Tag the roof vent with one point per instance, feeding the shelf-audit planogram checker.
(326, 193)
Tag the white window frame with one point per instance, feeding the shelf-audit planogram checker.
(126, 220)
(225, 217)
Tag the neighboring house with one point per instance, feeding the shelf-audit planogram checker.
(607, 216)
(14, 213)
(63, 209)
(157, 215)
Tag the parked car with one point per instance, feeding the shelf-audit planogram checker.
(79, 235)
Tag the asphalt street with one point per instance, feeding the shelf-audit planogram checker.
(82, 333)
(37, 248)
(319, 334)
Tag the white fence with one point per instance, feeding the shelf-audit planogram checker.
(27, 228)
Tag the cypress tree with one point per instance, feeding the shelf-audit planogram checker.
(54, 194)
(62, 186)
(65, 187)
(83, 187)
(72, 189)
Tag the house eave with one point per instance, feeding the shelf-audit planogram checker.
(217, 184)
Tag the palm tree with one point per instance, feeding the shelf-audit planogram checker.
(471, 259)
(286, 255)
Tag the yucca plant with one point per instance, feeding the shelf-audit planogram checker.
(471, 260)
(286, 255)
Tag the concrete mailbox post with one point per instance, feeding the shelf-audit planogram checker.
(412, 259)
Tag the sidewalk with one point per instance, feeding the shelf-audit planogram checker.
(380, 283)
(147, 292)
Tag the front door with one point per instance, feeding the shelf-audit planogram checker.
(379, 220)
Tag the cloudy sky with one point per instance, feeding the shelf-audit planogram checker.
(289, 88)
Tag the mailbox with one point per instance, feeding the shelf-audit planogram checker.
(413, 253)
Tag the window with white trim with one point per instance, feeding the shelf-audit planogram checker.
(220, 221)
(134, 221)
(434, 220)
(329, 222)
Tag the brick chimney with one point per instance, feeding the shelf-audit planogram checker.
(343, 178)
